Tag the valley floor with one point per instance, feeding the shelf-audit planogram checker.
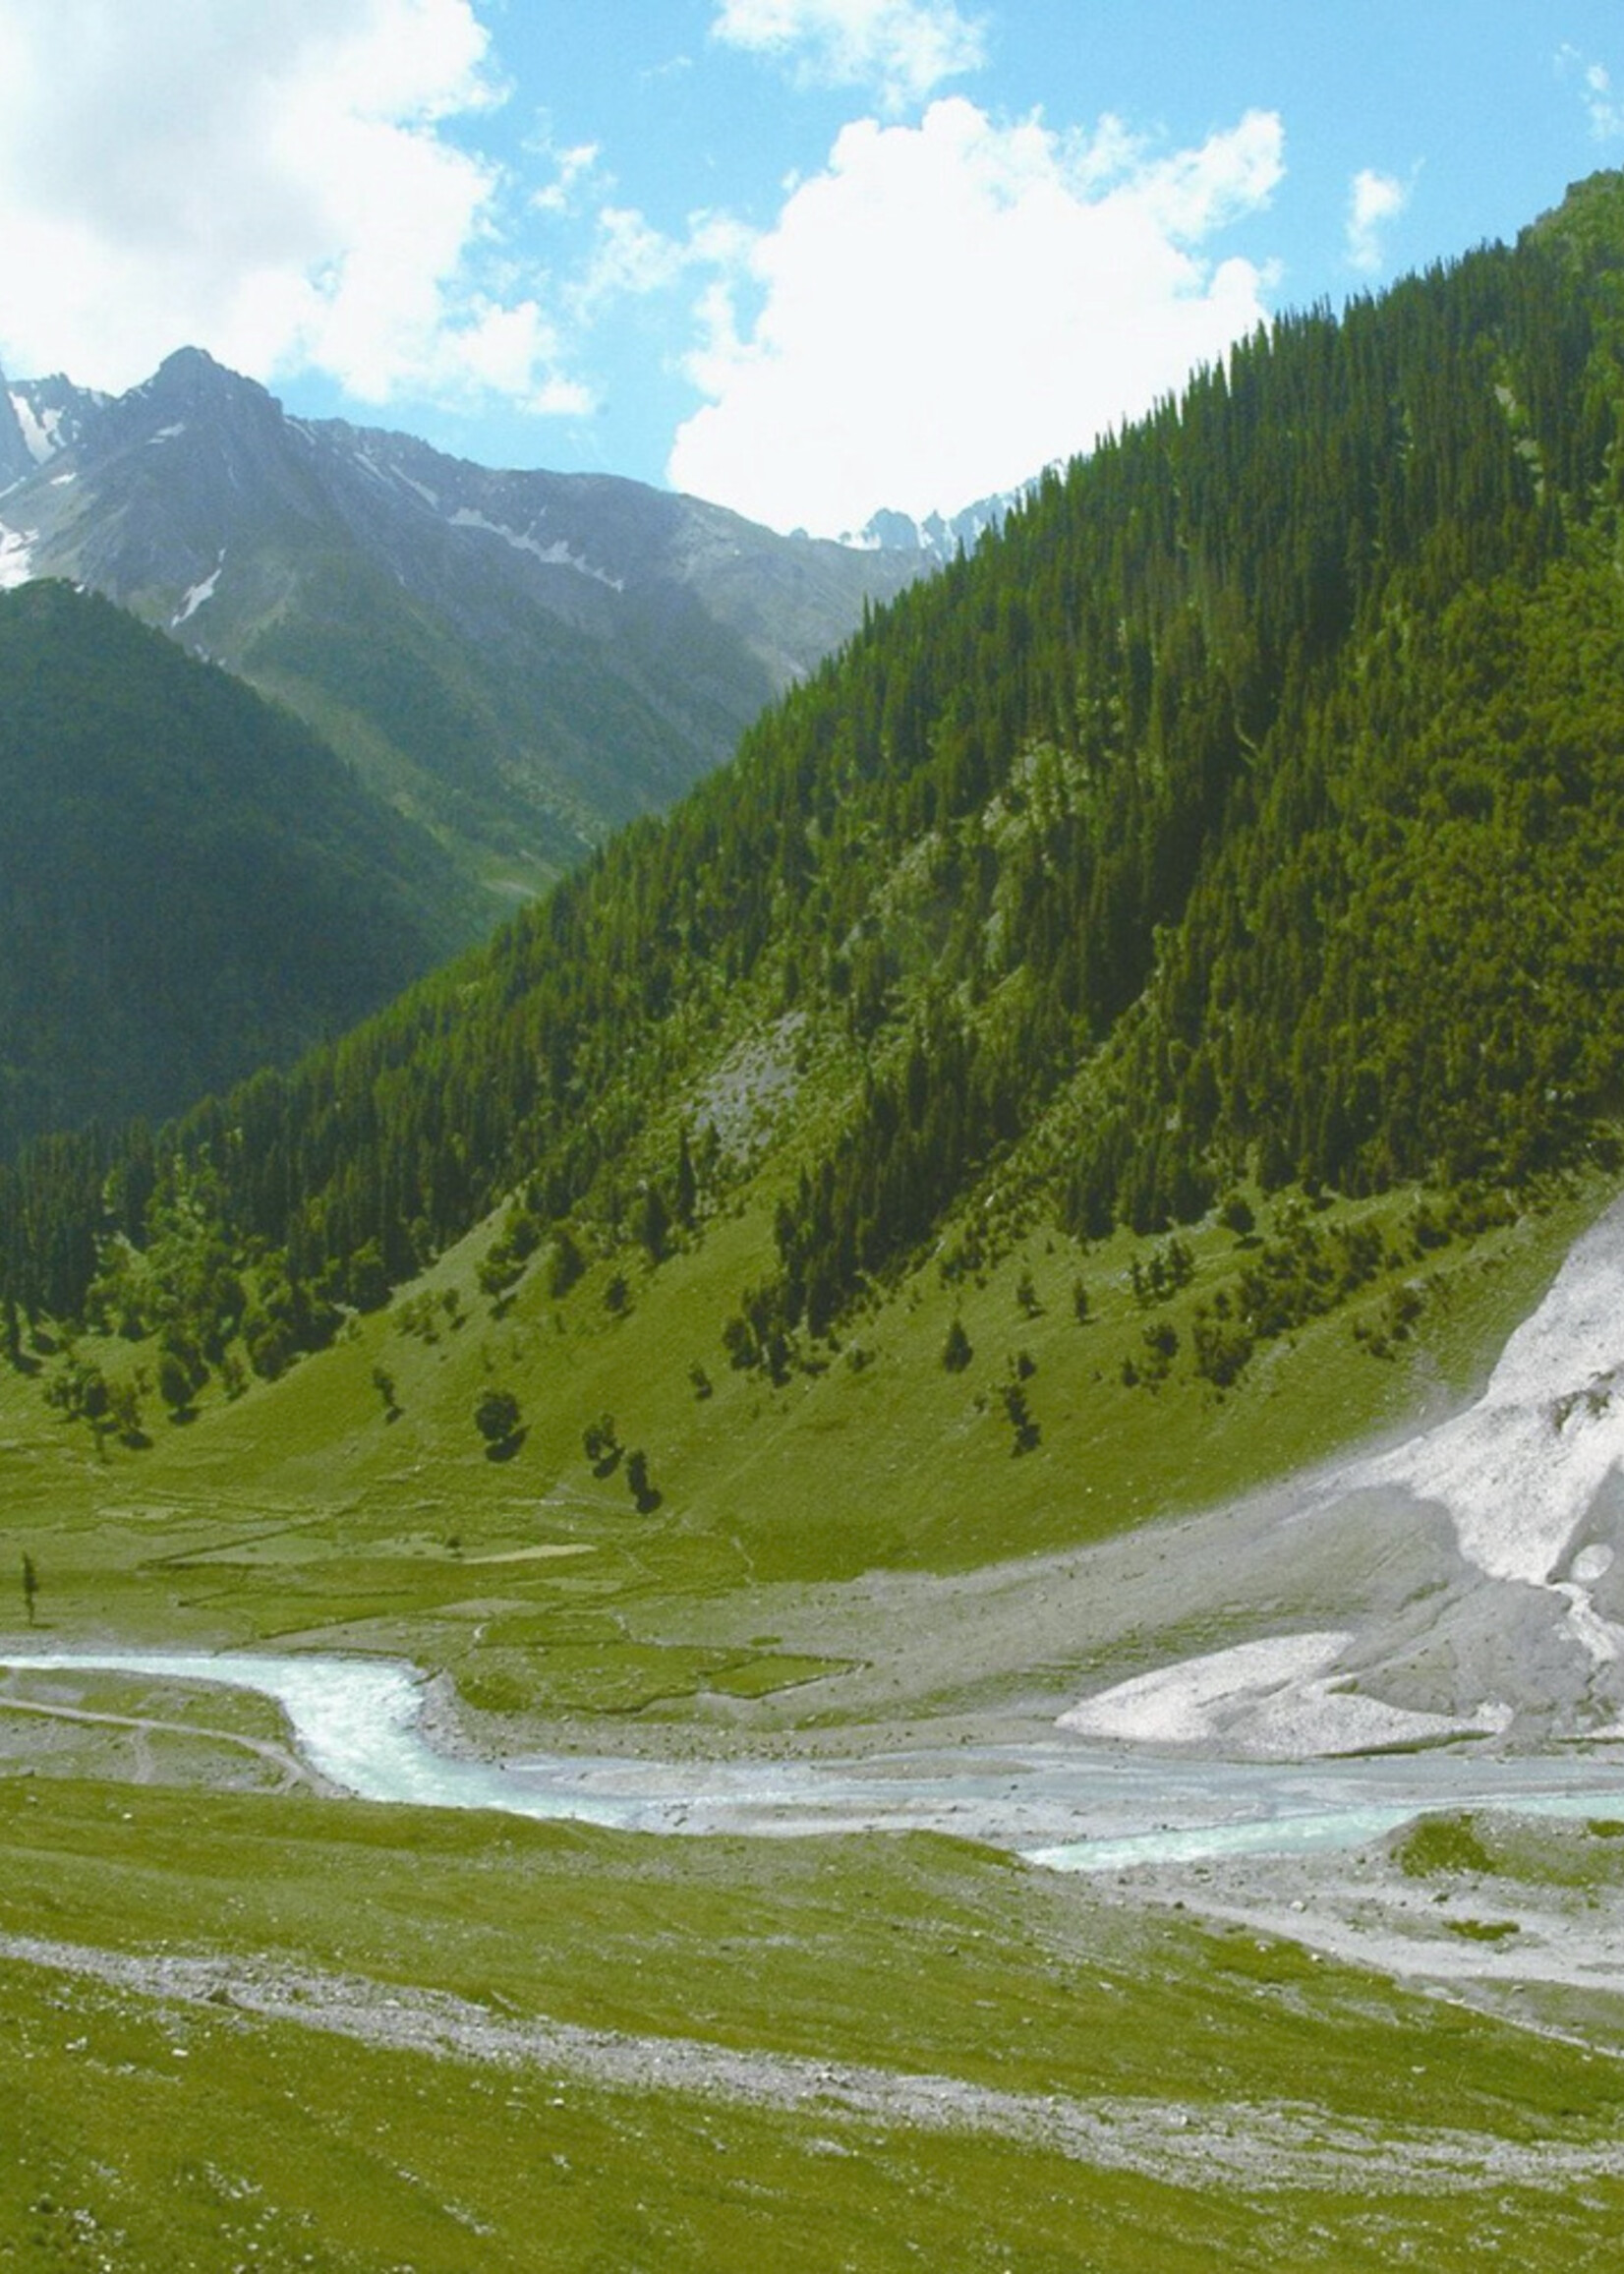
(240, 2011)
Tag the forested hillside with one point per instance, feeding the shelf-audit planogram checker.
(191, 886)
(1245, 812)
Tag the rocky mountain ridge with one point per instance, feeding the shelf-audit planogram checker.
(519, 659)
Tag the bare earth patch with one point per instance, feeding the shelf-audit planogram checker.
(1218, 2145)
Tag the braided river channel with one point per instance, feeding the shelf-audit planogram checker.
(359, 1725)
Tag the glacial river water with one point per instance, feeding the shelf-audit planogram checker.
(1069, 1804)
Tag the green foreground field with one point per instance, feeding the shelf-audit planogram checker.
(356, 2080)
(242, 2026)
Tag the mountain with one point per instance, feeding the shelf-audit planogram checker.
(940, 538)
(38, 418)
(518, 660)
(1041, 1262)
(1115, 821)
(191, 885)
(1181, 935)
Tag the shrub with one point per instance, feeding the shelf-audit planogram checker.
(601, 1447)
(644, 1491)
(496, 1418)
(1440, 1843)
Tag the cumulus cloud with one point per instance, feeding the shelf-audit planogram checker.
(1374, 200)
(950, 306)
(275, 185)
(903, 49)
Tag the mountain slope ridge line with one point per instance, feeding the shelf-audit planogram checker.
(520, 659)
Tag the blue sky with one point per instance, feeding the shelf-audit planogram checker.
(806, 257)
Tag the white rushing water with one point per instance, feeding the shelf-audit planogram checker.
(1069, 1805)
(356, 1722)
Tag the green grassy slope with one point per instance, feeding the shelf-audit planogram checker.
(354, 1501)
(1243, 2106)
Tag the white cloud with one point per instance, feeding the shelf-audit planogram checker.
(273, 184)
(629, 259)
(904, 49)
(949, 307)
(1374, 200)
(1602, 104)
(1606, 109)
(574, 169)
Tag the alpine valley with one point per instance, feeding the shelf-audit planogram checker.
(1026, 1285)
(494, 669)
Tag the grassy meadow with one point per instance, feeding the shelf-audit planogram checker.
(355, 1502)
(1246, 2104)
(1242, 2102)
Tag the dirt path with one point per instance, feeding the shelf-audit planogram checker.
(292, 1773)
(1220, 2145)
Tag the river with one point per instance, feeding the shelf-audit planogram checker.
(1065, 1803)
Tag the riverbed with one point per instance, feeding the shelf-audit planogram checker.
(1066, 1803)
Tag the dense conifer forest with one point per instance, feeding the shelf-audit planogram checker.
(190, 884)
(1249, 810)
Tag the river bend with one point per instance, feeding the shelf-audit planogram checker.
(358, 1724)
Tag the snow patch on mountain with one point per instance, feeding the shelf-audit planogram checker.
(16, 557)
(196, 595)
(557, 554)
(1179, 1704)
(429, 496)
(40, 429)
(1519, 1471)
(1278, 1696)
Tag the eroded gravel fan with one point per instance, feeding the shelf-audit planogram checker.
(1510, 1518)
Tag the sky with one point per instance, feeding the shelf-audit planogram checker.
(806, 257)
